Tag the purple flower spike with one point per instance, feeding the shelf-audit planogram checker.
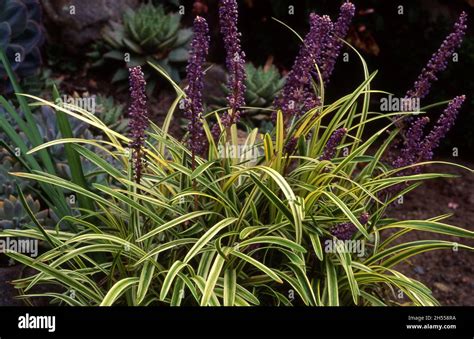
(334, 45)
(343, 231)
(291, 145)
(346, 230)
(411, 147)
(439, 60)
(443, 125)
(193, 107)
(334, 140)
(138, 119)
(298, 95)
(235, 60)
(415, 148)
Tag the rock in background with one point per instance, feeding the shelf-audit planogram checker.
(77, 23)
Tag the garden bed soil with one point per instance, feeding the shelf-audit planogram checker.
(449, 274)
(7, 291)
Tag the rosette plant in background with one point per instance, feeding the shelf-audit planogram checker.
(293, 216)
(263, 84)
(148, 34)
(21, 36)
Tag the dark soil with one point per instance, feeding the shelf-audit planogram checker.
(449, 274)
(7, 291)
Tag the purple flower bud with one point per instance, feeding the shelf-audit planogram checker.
(138, 119)
(443, 125)
(334, 43)
(235, 60)
(334, 140)
(364, 218)
(439, 60)
(193, 106)
(298, 90)
(216, 132)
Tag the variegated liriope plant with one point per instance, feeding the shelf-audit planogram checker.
(221, 219)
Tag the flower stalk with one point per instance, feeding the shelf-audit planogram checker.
(442, 127)
(193, 103)
(439, 60)
(331, 146)
(235, 61)
(298, 95)
(416, 148)
(139, 120)
(334, 45)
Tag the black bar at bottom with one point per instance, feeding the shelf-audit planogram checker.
(89, 322)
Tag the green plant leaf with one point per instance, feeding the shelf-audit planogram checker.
(117, 290)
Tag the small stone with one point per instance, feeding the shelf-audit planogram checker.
(92, 83)
(471, 199)
(442, 287)
(419, 270)
(453, 205)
